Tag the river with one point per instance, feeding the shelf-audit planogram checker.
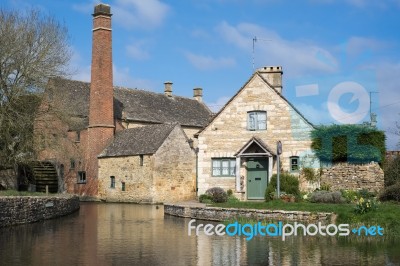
(130, 234)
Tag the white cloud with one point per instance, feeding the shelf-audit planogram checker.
(218, 104)
(123, 77)
(132, 14)
(298, 57)
(389, 100)
(140, 14)
(78, 69)
(203, 62)
(137, 50)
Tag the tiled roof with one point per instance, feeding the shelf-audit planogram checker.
(140, 140)
(72, 97)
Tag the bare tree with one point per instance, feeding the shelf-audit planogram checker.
(33, 48)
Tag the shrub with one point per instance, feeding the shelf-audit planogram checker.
(288, 184)
(217, 194)
(232, 199)
(349, 195)
(203, 198)
(229, 192)
(365, 205)
(391, 193)
(392, 172)
(325, 187)
(323, 196)
(309, 174)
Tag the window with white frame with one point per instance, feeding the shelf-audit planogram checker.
(294, 164)
(257, 120)
(223, 167)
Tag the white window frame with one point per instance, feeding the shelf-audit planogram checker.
(223, 167)
(257, 120)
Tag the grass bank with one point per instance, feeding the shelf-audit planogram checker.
(387, 214)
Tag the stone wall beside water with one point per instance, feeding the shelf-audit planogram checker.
(20, 210)
(224, 214)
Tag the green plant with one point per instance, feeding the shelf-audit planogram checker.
(204, 198)
(365, 205)
(391, 193)
(349, 195)
(309, 174)
(229, 192)
(325, 187)
(392, 171)
(232, 199)
(327, 197)
(288, 183)
(217, 194)
(364, 193)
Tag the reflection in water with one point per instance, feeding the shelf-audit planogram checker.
(127, 234)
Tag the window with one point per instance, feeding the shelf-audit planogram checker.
(112, 179)
(257, 120)
(141, 159)
(223, 167)
(294, 163)
(81, 177)
(72, 165)
(123, 186)
(78, 136)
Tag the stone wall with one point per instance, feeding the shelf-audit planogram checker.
(20, 210)
(223, 214)
(138, 179)
(227, 133)
(167, 175)
(174, 177)
(354, 177)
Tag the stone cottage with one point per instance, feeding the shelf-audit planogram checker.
(148, 164)
(238, 148)
(78, 120)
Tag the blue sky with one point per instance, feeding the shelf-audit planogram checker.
(333, 52)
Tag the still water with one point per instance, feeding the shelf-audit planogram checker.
(128, 234)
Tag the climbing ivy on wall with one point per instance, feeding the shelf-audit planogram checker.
(348, 143)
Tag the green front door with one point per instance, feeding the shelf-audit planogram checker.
(257, 177)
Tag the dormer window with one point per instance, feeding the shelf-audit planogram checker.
(257, 120)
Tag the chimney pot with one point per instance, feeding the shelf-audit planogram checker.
(168, 88)
(273, 74)
(198, 94)
(102, 9)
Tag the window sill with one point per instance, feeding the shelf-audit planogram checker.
(81, 183)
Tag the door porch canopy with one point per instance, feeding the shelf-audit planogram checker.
(255, 147)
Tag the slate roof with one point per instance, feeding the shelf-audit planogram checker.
(140, 140)
(72, 97)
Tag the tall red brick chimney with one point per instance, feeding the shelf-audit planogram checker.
(101, 113)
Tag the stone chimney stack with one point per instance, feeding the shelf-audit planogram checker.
(273, 74)
(168, 88)
(101, 111)
(198, 94)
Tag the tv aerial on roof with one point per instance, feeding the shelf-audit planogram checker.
(255, 39)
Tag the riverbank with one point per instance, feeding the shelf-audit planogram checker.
(201, 211)
(386, 215)
(28, 209)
